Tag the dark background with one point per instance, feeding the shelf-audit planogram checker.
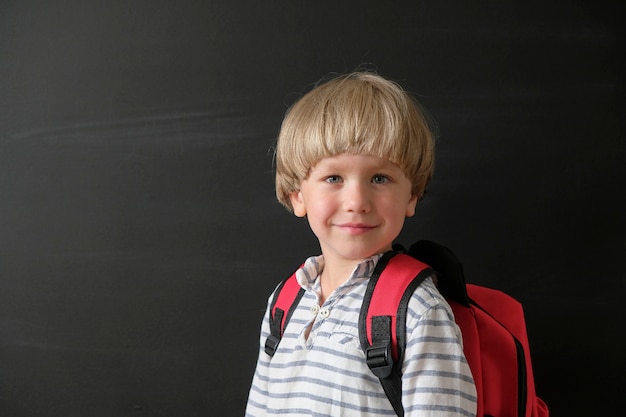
(139, 233)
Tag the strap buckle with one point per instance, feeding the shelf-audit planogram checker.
(271, 344)
(379, 359)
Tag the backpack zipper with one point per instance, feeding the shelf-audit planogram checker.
(521, 378)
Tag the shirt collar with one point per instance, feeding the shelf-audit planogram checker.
(308, 275)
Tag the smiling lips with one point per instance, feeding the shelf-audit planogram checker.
(355, 228)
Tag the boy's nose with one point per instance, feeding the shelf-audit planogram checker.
(357, 199)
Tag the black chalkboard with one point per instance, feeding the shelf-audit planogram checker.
(139, 232)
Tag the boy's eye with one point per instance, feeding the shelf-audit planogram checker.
(380, 179)
(333, 179)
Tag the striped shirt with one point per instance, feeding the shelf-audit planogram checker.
(325, 374)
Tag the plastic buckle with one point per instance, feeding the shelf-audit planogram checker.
(379, 359)
(271, 344)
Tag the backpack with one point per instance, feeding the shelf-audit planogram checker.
(492, 324)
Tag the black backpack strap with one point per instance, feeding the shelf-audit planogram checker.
(386, 298)
(286, 298)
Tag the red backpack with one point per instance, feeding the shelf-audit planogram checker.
(492, 323)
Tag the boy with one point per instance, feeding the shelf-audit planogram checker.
(354, 156)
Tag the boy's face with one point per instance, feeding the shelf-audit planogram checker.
(355, 205)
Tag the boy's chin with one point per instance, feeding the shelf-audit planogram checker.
(356, 254)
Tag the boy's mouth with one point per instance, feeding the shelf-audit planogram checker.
(355, 228)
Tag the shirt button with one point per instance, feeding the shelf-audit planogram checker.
(315, 309)
(325, 312)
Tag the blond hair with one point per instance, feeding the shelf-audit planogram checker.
(359, 113)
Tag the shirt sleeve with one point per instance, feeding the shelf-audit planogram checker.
(258, 395)
(436, 379)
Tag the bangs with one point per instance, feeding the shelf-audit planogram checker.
(352, 117)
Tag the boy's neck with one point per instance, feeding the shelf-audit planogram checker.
(334, 274)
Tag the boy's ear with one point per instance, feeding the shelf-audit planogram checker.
(297, 203)
(410, 207)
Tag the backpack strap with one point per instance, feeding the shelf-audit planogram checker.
(382, 320)
(286, 299)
